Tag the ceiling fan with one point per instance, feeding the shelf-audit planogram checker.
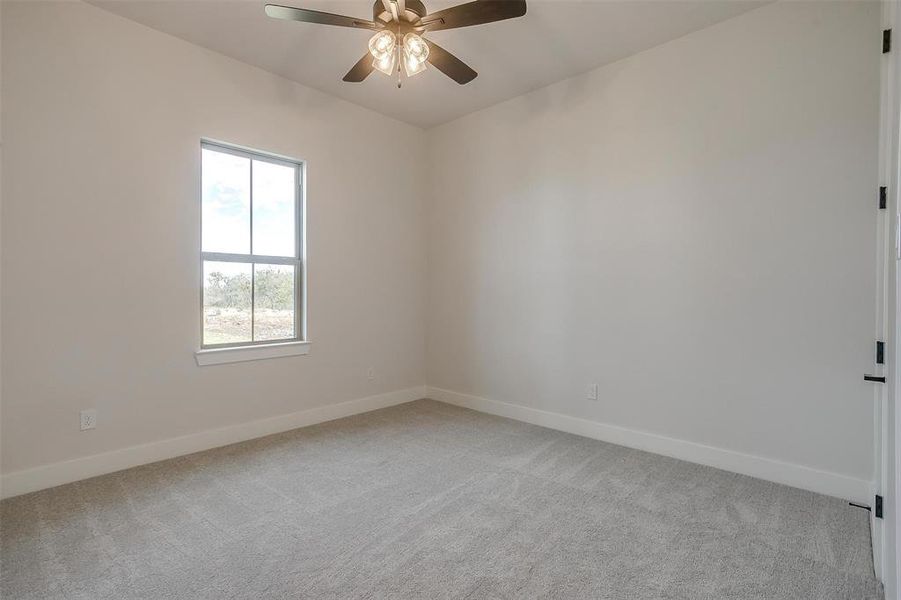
(399, 27)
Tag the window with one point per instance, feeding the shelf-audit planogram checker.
(251, 248)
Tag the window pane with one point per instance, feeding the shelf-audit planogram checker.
(226, 302)
(226, 202)
(274, 297)
(273, 209)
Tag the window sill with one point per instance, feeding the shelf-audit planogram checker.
(218, 356)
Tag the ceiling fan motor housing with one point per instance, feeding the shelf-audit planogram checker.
(415, 11)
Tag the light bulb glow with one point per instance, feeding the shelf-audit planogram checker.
(385, 64)
(415, 49)
(412, 65)
(382, 45)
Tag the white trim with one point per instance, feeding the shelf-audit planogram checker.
(886, 317)
(823, 482)
(887, 531)
(218, 356)
(45, 476)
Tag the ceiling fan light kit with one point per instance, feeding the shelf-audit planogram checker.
(398, 46)
(383, 48)
(416, 53)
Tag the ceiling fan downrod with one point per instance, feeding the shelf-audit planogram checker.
(399, 57)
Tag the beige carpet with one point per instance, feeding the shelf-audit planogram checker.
(426, 500)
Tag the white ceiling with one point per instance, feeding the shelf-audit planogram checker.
(556, 39)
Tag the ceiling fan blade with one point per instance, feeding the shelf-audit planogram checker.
(474, 13)
(314, 16)
(361, 70)
(449, 64)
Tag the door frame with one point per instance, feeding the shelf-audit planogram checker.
(887, 419)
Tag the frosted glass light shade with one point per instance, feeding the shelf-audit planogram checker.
(386, 64)
(413, 66)
(415, 48)
(382, 44)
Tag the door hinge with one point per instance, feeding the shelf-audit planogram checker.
(880, 353)
(883, 193)
(886, 40)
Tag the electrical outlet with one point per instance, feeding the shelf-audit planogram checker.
(88, 419)
(591, 392)
(370, 373)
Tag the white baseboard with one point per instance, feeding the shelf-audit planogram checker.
(45, 476)
(823, 482)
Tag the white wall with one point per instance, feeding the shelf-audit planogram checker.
(692, 228)
(102, 120)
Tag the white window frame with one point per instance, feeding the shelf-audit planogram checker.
(253, 350)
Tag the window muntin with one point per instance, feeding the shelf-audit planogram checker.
(251, 248)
